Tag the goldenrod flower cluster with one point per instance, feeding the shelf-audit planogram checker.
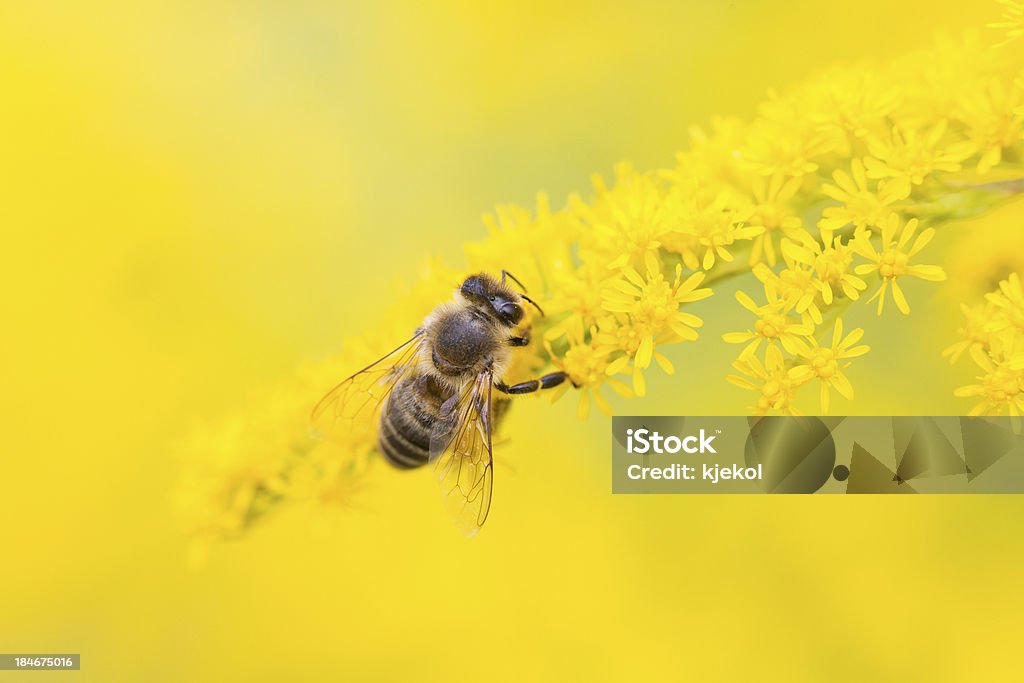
(829, 197)
(993, 335)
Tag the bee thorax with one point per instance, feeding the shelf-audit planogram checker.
(461, 343)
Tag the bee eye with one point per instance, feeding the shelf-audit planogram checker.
(513, 313)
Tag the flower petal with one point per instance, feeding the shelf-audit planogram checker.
(639, 386)
(644, 352)
(922, 241)
(664, 363)
(930, 273)
(602, 404)
(842, 385)
(617, 365)
(899, 298)
(747, 302)
(584, 405)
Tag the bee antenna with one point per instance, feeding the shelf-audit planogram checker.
(539, 309)
(505, 273)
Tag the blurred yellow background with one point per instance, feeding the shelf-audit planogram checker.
(195, 198)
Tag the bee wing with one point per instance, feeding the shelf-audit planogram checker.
(460, 448)
(362, 394)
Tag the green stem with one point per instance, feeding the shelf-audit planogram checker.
(726, 273)
(966, 200)
(1004, 187)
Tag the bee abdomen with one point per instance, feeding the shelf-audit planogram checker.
(405, 424)
(399, 450)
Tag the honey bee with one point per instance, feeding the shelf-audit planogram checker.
(433, 392)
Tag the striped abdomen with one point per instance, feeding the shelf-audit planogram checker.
(411, 411)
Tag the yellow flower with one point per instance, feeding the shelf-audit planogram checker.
(775, 386)
(1009, 302)
(861, 206)
(993, 333)
(534, 246)
(709, 220)
(1013, 20)
(824, 362)
(912, 154)
(974, 330)
(833, 265)
(851, 102)
(1000, 386)
(773, 213)
(577, 295)
(782, 141)
(993, 117)
(236, 472)
(711, 156)
(892, 261)
(647, 313)
(797, 286)
(773, 325)
(587, 364)
(625, 223)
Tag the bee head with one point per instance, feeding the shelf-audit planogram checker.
(486, 292)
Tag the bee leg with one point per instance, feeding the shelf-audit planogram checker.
(552, 379)
(519, 341)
